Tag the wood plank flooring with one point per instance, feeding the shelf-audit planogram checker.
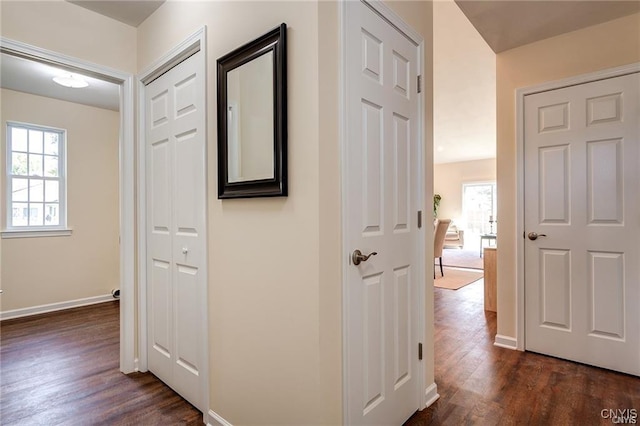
(62, 369)
(482, 384)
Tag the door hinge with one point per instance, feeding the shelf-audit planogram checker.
(419, 83)
(420, 351)
(419, 219)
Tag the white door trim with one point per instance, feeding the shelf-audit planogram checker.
(427, 397)
(520, 94)
(195, 43)
(126, 177)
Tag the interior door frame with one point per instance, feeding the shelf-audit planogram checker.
(126, 155)
(519, 341)
(427, 396)
(193, 44)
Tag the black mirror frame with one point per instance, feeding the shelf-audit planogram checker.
(275, 41)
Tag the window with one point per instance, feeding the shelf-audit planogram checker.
(479, 205)
(35, 178)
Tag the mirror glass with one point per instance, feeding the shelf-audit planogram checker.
(250, 120)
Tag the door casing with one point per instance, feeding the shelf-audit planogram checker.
(193, 44)
(520, 94)
(430, 395)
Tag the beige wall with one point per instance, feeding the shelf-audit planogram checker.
(448, 180)
(38, 271)
(66, 28)
(591, 49)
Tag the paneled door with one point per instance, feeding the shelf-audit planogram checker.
(176, 233)
(381, 184)
(582, 223)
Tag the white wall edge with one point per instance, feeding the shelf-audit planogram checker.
(126, 178)
(520, 203)
(431, 394)
(216, 419)
(506, 342)
(52, 307)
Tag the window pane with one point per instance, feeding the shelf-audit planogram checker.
(18, 139)
(19, 164)
(51, 191)
(51, 143)
(35, 141)
(36, 218)
(36, 190)
(35, 165)
(51, 217)
(20, 214)
(50, 166)
(19, 191)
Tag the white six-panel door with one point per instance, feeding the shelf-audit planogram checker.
(382, 161)
(582, 191)
(176, 233)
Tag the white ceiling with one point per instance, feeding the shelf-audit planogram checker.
(131, 12)
(24, 75)
(464, 89)
(508, 24)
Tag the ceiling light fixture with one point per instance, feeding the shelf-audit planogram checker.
(70, 80)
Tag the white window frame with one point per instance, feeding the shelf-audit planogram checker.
(61, 229)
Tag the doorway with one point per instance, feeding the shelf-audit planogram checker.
(126, 178)
(173, 221)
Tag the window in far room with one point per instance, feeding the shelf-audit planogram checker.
(35, 178)
(479, 206)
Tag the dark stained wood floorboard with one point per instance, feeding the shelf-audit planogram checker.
(480, 384)
(61, 368)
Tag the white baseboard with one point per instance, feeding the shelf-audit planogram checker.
(506, 342)
(431, 394)
(35, 310)
(216, 419)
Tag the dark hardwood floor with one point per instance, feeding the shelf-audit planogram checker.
(482, 384)
(62, 369)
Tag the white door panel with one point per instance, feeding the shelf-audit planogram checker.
(176, 235)
(382, 184)
(582, 190)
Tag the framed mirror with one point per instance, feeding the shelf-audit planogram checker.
(252, 118)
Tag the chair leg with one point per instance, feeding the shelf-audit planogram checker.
(441, 270)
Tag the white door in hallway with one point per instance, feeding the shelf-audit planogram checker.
(582, 191)
(176, 233)
(381, 183)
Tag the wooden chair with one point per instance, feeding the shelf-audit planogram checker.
(438, 241)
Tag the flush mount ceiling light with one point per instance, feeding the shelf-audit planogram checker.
(70, 80)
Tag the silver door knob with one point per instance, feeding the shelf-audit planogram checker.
(534, 235)
(358, 257)
(185, 250)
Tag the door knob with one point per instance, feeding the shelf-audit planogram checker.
(534, 235)
(358, 257)
(185, 250)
